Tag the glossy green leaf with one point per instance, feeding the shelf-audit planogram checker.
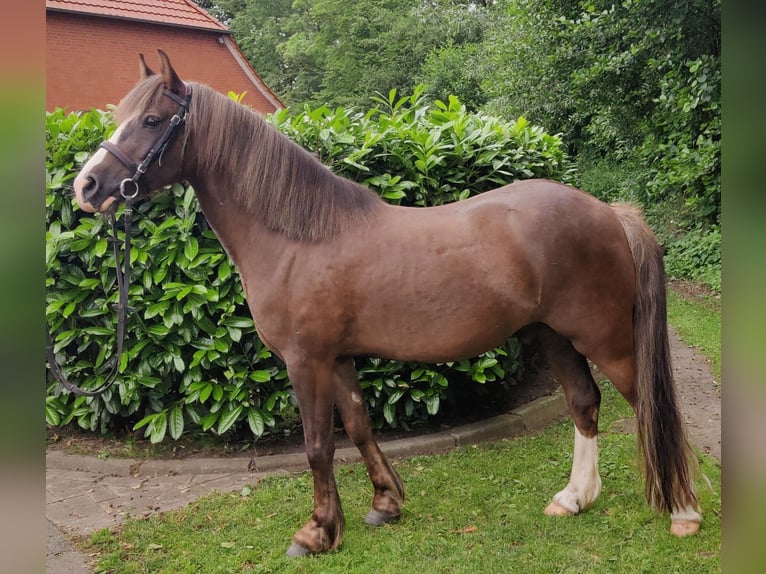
(260, 376)
(176, 422)
(158, 427)
(255, 421)
(191, 248)
(228, 418)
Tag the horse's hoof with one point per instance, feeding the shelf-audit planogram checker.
(684, 527)
(378, 518)
(555, 509)
(297, 550)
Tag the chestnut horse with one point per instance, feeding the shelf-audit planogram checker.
(331, 271)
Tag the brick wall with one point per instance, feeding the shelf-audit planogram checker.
(92, 61)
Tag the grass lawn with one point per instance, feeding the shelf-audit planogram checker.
(697, 320)
(473, 510)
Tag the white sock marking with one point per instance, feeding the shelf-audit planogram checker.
(584, 481)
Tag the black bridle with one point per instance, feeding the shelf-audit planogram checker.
(123, 275)
(156, 151)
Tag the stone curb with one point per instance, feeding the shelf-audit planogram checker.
(532, 416)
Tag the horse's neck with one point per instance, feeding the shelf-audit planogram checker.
(244, 237)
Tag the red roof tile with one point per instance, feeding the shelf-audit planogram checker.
(172, 12)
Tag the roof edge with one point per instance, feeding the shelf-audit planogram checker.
(251, 73)
(200, 10)
(222, 30)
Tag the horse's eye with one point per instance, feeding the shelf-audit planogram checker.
(151, 121)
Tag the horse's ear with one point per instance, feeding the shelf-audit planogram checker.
(169, 76)
(145, 70)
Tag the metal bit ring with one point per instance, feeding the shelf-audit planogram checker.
(123, 184)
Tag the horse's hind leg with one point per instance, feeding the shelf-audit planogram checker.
(389, 490)
(684, 519)
(583, 398)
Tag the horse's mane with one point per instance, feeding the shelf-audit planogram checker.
(270, 176)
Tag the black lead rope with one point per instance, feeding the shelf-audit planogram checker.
(128, 191)
(123, 281)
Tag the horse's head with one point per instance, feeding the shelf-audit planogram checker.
(145, 152)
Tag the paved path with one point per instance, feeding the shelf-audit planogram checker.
(699, 395)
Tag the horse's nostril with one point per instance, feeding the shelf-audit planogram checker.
(91, 185)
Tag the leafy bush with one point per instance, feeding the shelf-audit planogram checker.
(192, 361)
(692, 248)
(609, 180)
(418, 154)
(696, 256)
(685, 163)
(190, 355)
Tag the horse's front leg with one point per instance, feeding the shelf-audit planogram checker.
(389, 490)
(313, 385)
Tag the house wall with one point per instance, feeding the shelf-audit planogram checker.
(93, 61)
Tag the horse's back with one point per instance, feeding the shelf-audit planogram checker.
(469, 274)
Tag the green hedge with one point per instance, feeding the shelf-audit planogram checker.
(192, 361)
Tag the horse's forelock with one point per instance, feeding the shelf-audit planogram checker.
(138, 99)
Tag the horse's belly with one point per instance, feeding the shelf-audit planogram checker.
(436, 329)
(439, 296)
(429, 347)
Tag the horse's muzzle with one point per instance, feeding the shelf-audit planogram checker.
(87, 192)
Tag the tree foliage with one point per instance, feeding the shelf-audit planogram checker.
(339, 53)
(635, 82)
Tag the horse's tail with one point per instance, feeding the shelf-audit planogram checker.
(661, 434)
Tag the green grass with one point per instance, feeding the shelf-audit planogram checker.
(698, 322)
(475, 509)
